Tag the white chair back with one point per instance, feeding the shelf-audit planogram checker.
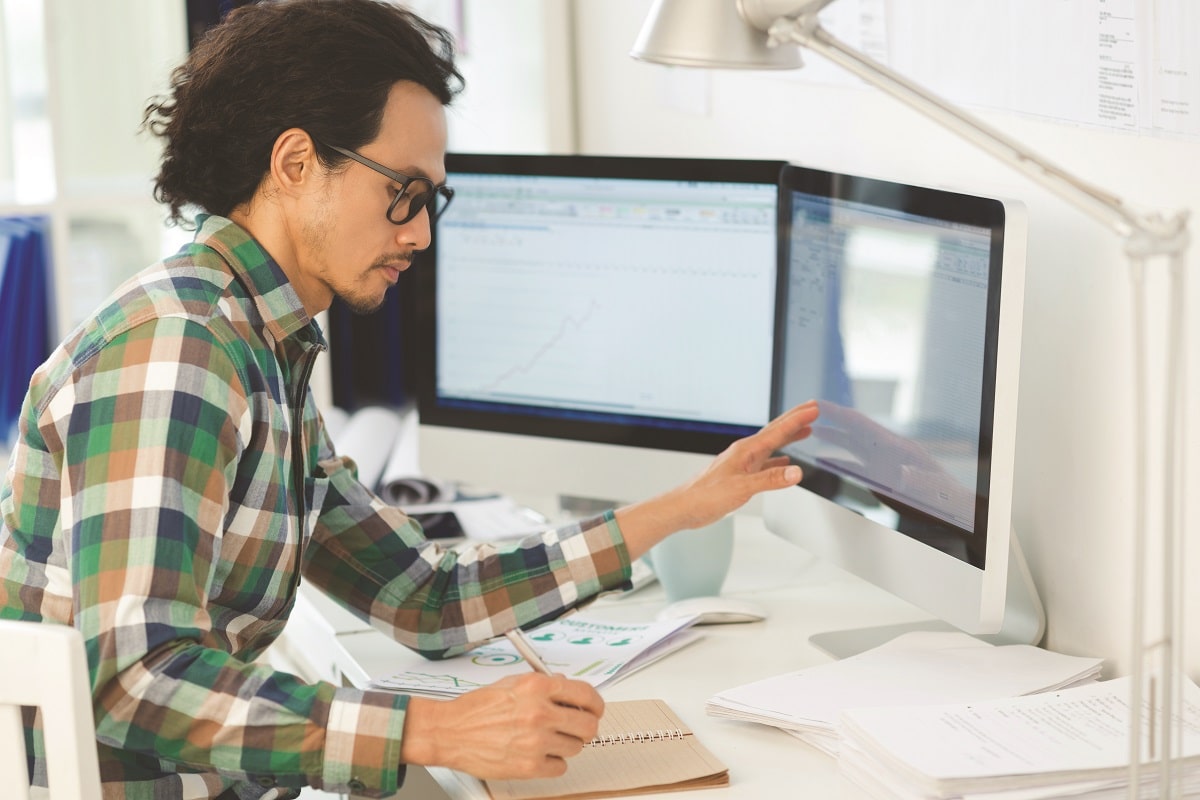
(44, 665)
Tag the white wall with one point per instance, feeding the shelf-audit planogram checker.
(514, 58)
(1074, 507)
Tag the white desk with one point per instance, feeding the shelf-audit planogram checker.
(802, 595)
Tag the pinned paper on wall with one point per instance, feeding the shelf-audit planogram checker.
(1117, 64)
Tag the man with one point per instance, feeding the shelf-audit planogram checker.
(172, 481)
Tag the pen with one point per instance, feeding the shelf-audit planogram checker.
(519, 641)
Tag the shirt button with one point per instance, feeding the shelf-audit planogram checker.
(356, 785)
(265, 781)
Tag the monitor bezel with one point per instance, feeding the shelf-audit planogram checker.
(675, 435)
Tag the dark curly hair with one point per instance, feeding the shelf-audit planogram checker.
(326, 66)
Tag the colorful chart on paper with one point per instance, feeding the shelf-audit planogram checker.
(579, 647)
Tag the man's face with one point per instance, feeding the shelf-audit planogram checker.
(347, 246)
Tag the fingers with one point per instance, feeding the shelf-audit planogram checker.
(766, 471)
(797, 418)
(574, 707)
(745, 468)
(790, 426)
(776, 461)
(560, 719)
(755, 453)
(519, 727)
(778, 477)
(577, 695)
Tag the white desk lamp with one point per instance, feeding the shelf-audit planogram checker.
(730, 34)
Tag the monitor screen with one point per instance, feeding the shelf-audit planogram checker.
(898, 309)
(617, 300)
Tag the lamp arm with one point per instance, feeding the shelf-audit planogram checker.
(1145, 233)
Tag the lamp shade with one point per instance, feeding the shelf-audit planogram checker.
(707, 33)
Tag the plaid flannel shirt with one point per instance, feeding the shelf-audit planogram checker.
(171, 483)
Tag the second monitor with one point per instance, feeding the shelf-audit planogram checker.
(900, 311)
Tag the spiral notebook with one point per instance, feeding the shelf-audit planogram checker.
(642, 747)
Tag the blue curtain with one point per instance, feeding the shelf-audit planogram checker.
(25, 319)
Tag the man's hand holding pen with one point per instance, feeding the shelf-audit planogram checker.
(544, 718)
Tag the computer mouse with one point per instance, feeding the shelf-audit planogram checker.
(717, 610)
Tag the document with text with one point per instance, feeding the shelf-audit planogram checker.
(1073, 735)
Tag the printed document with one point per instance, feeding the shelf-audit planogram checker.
(1073, 735)
(580, 647)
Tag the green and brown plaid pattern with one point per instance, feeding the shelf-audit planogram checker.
(171, 481)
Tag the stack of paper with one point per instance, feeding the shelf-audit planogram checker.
(582, 647)
(915, 668)
(1072, 743)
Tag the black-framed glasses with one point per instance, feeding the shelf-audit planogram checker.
(415, 193)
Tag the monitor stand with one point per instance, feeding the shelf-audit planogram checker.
(1024, 617)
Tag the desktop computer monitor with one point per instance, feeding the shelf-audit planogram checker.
(573, 307)
(899, 310)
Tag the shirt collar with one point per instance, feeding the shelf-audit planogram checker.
(268, 286)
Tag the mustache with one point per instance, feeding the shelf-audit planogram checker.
(392, 259)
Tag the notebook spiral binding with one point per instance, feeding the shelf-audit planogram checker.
(636, 738)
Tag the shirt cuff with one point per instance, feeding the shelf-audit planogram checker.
(362, 743)
(597, 557)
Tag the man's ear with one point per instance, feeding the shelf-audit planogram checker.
(294, 163)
